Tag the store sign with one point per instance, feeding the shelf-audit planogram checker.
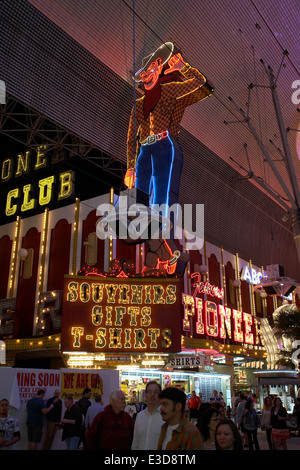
(201, 287)
(29, 382)
(220, 322)
(205, 317)
(23, 198)
(251, 275)
(117, 315)
(190, 362)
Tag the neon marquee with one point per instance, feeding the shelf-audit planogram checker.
(29, 196)
(115, 315)
(220, 322)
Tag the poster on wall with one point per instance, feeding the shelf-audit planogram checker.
(19, 385)
(74, 381)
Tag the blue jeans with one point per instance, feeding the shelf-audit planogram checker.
(72, 442)
(158, 171)
(252, 439)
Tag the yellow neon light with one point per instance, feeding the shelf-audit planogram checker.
(11, 209)
(252, 298)
(45, 190)
(41, 159)
(28, 203)
(75, 235)
(66, 184)
(237, 275)
(23, 163)
(43, 250)
(13, 262)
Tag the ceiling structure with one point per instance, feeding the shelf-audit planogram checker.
(233, 42)
(76, 61)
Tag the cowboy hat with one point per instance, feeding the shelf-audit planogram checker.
(164, 52)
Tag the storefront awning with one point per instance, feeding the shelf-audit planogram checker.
(279, 381)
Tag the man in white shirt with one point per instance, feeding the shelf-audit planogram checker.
(148, 422)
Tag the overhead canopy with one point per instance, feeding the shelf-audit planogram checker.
(232, 42)
(76, 62)
(279, 381)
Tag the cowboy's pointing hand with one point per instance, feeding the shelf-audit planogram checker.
(129, 179)
(176, 62)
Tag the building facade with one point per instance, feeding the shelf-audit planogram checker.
(71, 299)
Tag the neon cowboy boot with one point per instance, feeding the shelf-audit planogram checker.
(163, 255)
(168, 256)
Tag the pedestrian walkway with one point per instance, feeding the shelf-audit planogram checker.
(292, 444)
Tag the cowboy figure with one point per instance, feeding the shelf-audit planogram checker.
(154, 156)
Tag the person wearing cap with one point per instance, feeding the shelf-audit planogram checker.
(154, 156)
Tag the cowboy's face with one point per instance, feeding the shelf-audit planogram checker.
(150, 75)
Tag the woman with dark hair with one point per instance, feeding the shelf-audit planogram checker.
(228, 436)
(280, 431)
(251, 423)
(207, 424)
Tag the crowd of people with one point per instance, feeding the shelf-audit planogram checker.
(168, 421)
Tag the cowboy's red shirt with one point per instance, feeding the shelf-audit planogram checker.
(168, 112)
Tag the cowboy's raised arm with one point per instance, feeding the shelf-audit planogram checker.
(129, 179)
(195, 88)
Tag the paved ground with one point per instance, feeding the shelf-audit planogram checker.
(292, 444)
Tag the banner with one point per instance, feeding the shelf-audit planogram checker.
(19, 385)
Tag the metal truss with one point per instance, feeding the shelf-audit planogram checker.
(291, 202)
(30, 128)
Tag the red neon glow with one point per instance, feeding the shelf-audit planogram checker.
(150, 76)
(170, 265)
(201, 287)
(122, 274)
